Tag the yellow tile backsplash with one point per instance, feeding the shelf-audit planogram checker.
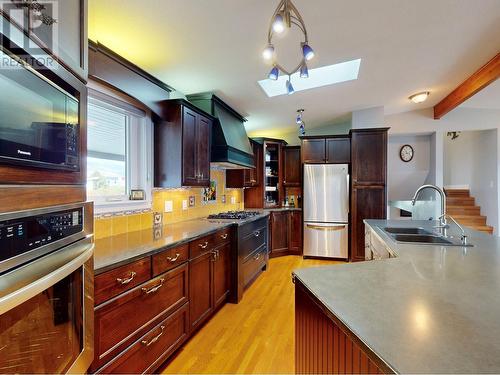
(108, 226)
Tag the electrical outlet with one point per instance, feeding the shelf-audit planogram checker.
(184, 204)
(169, 206)
(233, 200)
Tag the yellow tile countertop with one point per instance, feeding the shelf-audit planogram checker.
(114, 251)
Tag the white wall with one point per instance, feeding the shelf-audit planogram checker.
(460, 119)
(334, 129)
(403, 179)
(459, 158)
(368, 118)
(472, 160)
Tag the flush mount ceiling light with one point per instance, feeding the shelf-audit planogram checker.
(419, 97)
(286, 15)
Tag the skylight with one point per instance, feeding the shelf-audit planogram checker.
(324, 76)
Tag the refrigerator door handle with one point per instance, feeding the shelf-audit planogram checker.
(326, 227)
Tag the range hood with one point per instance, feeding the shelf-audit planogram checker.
(231, 148)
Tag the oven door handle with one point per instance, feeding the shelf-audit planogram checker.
(19, 285)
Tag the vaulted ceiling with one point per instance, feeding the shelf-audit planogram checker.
(215, 45)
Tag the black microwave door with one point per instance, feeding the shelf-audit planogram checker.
(51, 141)
(17, 143)
(38, 121)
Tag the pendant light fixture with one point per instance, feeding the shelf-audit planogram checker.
(286, 15)
(300, 122)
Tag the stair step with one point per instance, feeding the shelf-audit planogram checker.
(461, 201)
(482, 228)
(457, 192)
(463, 210)
(470, 219)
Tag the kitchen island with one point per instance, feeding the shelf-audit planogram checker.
(427, 309)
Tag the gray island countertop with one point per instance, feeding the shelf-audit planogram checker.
(431, 309)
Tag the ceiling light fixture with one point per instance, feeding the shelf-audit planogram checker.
(286, 15)
(304, 72)
(289, 87)
(274, 73)
(268, 53)
(419, 97)
(300, 122)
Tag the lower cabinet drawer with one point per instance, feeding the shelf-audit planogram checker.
(169, 259)
(254, 264)
(124, 319)
(152, 349)
(252, 241)
(111, 283)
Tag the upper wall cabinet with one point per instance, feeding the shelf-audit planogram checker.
(291, 166)
(369, 156)
(251, 177)
(330, 150)
(182, 146)
(65, 39)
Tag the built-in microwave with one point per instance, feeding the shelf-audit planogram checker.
(39, 121)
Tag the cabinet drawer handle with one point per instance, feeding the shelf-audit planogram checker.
(153, 289)
(127, 280)
(253, 181)
(204, 245)
(154, 339)
(215, 254)
(256, 233)
(224, 236)
(174, 259)
(257, 257)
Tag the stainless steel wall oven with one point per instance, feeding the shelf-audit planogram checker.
(46, 290)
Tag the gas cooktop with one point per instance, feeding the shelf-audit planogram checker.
(234, 215)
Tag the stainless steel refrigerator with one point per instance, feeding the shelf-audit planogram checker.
(326, 210)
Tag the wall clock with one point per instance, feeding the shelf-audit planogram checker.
(406, 153)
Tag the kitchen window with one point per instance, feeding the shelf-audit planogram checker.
(119, 153)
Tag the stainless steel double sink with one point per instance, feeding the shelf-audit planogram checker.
(421, 236)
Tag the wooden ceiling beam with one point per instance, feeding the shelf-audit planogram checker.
(476, 82)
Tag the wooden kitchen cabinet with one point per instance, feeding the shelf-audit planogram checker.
(279, 233)
(329, 150)
(369, 156)
(222, 274)
(246, 178)
(209, 275)
(182, 146)
(269, 190)
(117, 324)
(286, 233)
(70, 46)
(324, 345)
(291, 166)
(338, 150)
(313, 150)
(295, 225)
(368, 183)
(200, 289)
(175, 290)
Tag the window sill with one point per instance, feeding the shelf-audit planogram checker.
(101, 208)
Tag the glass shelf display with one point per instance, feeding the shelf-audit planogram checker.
(272, 172)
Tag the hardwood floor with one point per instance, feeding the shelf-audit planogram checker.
(255, 336)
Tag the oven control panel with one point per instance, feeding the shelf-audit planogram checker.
(18, 236)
